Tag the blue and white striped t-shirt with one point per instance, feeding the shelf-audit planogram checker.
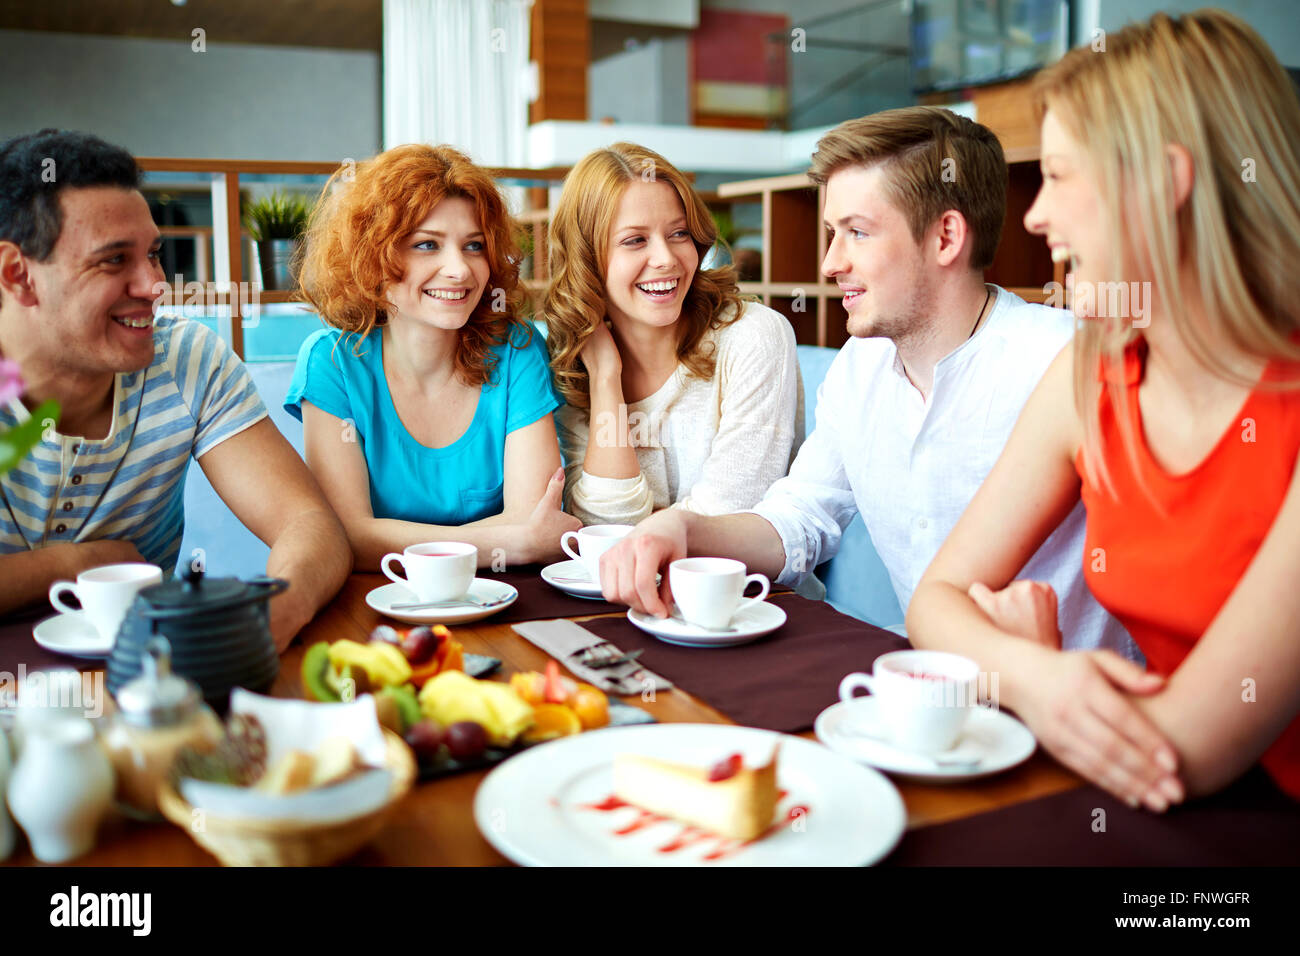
(131, 484)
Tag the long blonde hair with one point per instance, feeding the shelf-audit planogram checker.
(1208, 82)
(579, 253)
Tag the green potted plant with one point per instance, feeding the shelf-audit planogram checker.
(276, 224)
(720, 254)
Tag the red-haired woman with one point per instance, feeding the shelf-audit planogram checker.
(438, 425)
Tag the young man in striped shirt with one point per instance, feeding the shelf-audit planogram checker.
(139, 395)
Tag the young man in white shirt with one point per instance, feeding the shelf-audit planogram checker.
(918, 404)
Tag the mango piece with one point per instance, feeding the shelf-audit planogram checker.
(454, 696)
(384, 664)
(512, 715)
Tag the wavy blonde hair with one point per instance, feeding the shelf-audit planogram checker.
(579, 242)
(355, 240)
(1206, 81)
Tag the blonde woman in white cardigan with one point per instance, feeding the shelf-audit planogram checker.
(679, 393)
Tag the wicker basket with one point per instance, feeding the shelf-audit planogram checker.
(245, 842)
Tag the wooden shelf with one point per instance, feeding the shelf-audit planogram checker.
(753, 187)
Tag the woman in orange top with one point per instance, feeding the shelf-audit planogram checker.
(1171, 168)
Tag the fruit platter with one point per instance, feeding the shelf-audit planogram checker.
(434, 695)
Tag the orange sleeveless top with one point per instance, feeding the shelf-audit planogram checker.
(1166, 575)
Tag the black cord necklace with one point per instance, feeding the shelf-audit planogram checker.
(987, 294)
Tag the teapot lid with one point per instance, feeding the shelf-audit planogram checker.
(158, 698)
(195, 593)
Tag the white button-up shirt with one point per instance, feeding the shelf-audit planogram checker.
(910, 466)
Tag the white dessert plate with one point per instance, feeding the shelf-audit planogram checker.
(71, 634)
(749, 624)
(571, 577)
(539, 808)
(996, 741)
(383, 598)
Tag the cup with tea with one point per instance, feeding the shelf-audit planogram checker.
(710, 591)
(591, 542)
(435, 571)
(105, 593)
(923, 698)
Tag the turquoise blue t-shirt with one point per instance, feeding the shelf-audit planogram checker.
(464, 481)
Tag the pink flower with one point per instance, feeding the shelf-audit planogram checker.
(11, 382)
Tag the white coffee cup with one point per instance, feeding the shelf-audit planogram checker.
(923, 697)
(710, 591)
(105, 593)
(593, 541)
(435, 570)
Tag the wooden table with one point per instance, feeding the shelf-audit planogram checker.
(435, 823)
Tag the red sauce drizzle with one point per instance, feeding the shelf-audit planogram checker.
(691, 835)
(688, 837)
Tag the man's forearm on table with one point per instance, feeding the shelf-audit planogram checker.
(312, 553)
(749, 538)
(26, 576)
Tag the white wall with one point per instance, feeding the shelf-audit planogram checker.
(646, 84)
(160, 98)
(667, 13)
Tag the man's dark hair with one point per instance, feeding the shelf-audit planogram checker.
(33, 170)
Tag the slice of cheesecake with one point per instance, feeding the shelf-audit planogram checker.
(728, 799)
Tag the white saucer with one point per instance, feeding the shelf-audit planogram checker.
(383, 598)
(571, 577)
(70, 634)
(996, 739)
(750, 623)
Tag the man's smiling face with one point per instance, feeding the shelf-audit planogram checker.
(95, 293)
(872, 255)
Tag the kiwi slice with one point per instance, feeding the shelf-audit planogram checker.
(316, 673)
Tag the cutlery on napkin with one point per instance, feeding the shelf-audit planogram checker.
(572, 645)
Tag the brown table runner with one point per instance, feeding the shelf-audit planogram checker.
(17, 646)
(538, 600)
(781, 681)
(1252, 823)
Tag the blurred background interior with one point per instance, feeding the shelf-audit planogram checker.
(735, 92)
(240, 109)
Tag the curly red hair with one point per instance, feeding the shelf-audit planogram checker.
(353, 247)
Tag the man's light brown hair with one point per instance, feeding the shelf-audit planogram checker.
(912, 145)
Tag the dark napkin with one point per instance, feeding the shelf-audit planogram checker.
(538, 600)
(1251, 823)
(781, 681)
